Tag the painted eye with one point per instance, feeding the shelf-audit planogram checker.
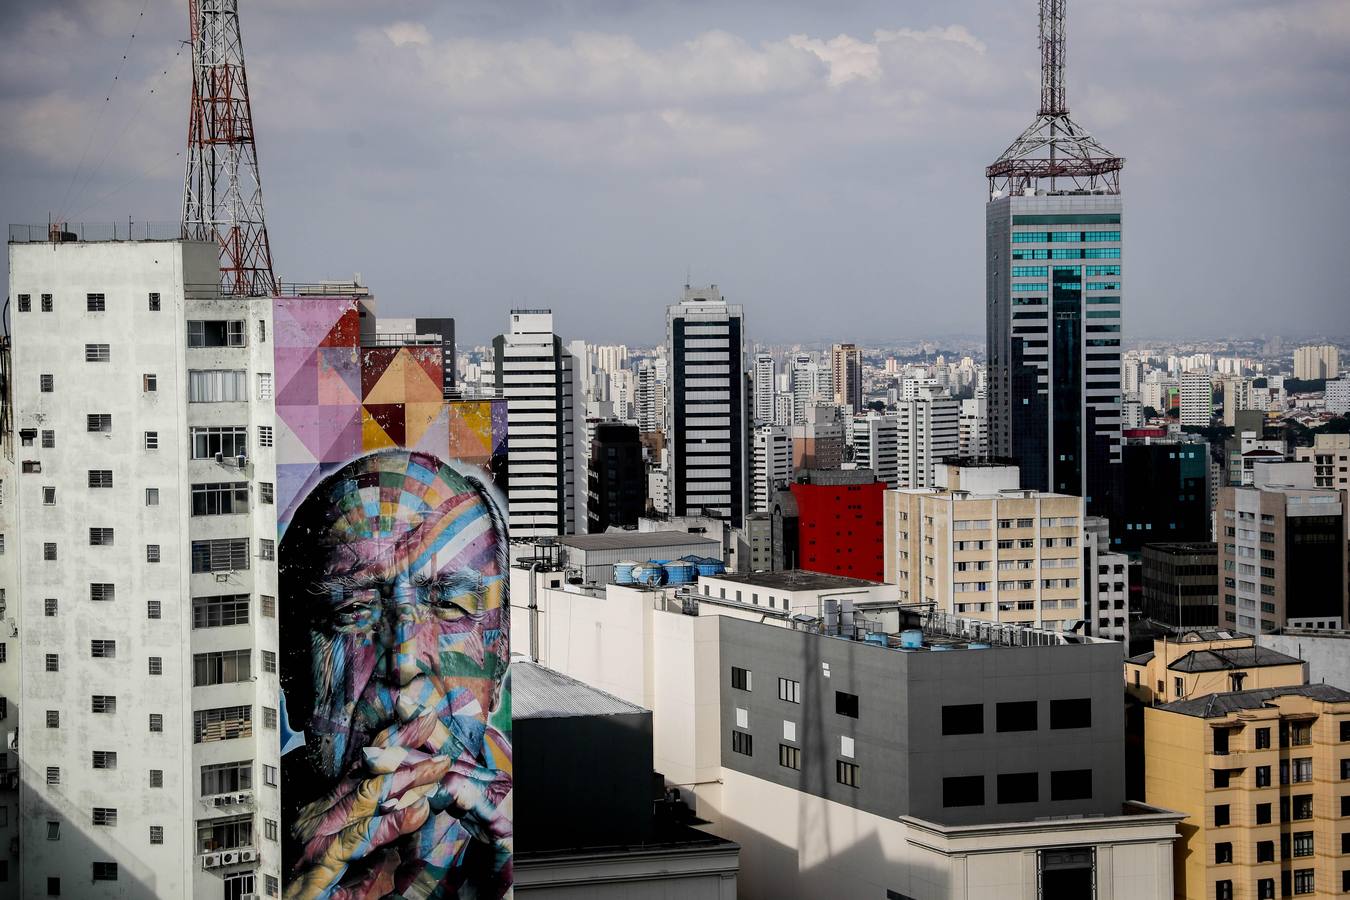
(449, 603)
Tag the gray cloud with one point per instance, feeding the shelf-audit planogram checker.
(822, 162)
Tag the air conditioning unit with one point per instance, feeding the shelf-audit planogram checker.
(220, 457)
(222, 801)
(250, 897)
(243, 798)
(241, 460)
(248, 856)
(210, 860)
(229, 857)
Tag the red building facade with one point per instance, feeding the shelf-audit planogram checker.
(839, 523)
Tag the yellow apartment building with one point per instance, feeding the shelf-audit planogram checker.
(1264, 779)
(1208, 662)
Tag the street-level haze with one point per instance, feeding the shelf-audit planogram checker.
(823, 163)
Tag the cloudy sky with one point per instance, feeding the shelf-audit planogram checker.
(821, 161)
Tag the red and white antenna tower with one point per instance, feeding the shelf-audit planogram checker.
(222, 192)
(1054, 146)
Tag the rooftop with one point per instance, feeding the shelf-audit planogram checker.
(635, 540)
(1183, 548)
(1223, 658)
(541, 693)
(797, 580)
(1214, 706)
(978, 462)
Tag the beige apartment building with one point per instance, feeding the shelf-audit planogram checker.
(1330, 456)
(980, 547)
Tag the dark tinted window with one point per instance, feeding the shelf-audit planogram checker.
(1071, 713)
(1018, 787)
(1018, 716)
(846, 704)
(965, 790)
(1072, 784)
(967, 718)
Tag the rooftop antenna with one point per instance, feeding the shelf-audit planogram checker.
(222, 192)
(1054, 146)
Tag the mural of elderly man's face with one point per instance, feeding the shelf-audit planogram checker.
(395, 634)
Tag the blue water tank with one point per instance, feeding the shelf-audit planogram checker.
(911, 639)
(940, 647)
(623, 571)
(680, 572)
(650, 574)
(875, 637)
(709, 566)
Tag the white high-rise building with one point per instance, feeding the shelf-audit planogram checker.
(651, 395)
(535, 373)
(1197, 398)
(770, 465)
(806, 377)
(764, 374)
(611, 358)
(1338, 396)
(1321, 361)
(876, 446)
(974, 430)
(929, 431)
(706, 448)
(142, 574)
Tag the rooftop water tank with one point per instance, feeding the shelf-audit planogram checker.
(680, 572)
(911, 639)
(623, 571)
(977, 645)
(709, 566)
(650, 574)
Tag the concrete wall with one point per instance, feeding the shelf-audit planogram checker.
(1326, 656)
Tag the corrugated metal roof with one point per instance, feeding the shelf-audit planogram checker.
(635, 540)
(538, 692)
(1212, 706)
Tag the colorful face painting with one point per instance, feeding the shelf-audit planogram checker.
(396, 763)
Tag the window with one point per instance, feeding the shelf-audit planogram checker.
(53, 774)
(266, 492)
(264, 386)
(221, 724)
(214, 835)
(846, 704)
(264, 435)
(1345, 730)
(1303, 806)
(269, 717)
(1303, 843)
(789, 757)
(218, 611)
(53, 883)
(207, 441)
(49, 496)
(1223, 890)
(25, 302)
(46, 384)
(1345, 769)
(156, 665)
(270, 829)
(156, 834)
(216, 333)
(53, 830)
(1221, 777)
(220, 555)
(103, 703)
(269, 605)
(156, 722)
(152, 553)
(1263, 776)
(740, 678)
(152, 496)
(149, 383)
(742, 743)
(152, 609)
(221, 498)
(227, 778)
(105, 871)
(101, 591)
(105, 759)
(262, 331)
(1305, 881)
(1072, 784)
(1263, 814)
(965, 718)
(1221, 817)
(270, 775)
(100, 537)
(1223, 853)
(49, 551)
(154, 301)
(1265, 851)
(1302, 769)
(1300, 733)
(105, 815)
(53, 662)
(48, 439)
(963, 790)
(1016, 716)
(846, 773)
(1071, 713)
(1018, 787)
(94, 303)
(267, 548)
(1262, 738)
(53, 718)
(217, 385)
(100, 478)
(152, 440)
(789, 690)
(269, 661)
(46, 302)
(103, 649)
(221, 667)
(97, 353)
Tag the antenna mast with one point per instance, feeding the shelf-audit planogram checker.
(222, 191)
(1054, 146)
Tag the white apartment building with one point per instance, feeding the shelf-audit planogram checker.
(651, 395)
(706, 406)
(929, 430)
(1337, 396)
(973, 436)
(11, 665)
(1320, 361)
(536, 375)
(812, 385)
(1197, 398)
(143, 580)
(876, 446)
(770, 465)
(765, 379)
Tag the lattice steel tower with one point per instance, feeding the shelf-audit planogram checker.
(1054, 146)
(222, 191)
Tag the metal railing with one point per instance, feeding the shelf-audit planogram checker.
(130, 230)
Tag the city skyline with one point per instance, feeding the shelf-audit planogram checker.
(596, 144)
